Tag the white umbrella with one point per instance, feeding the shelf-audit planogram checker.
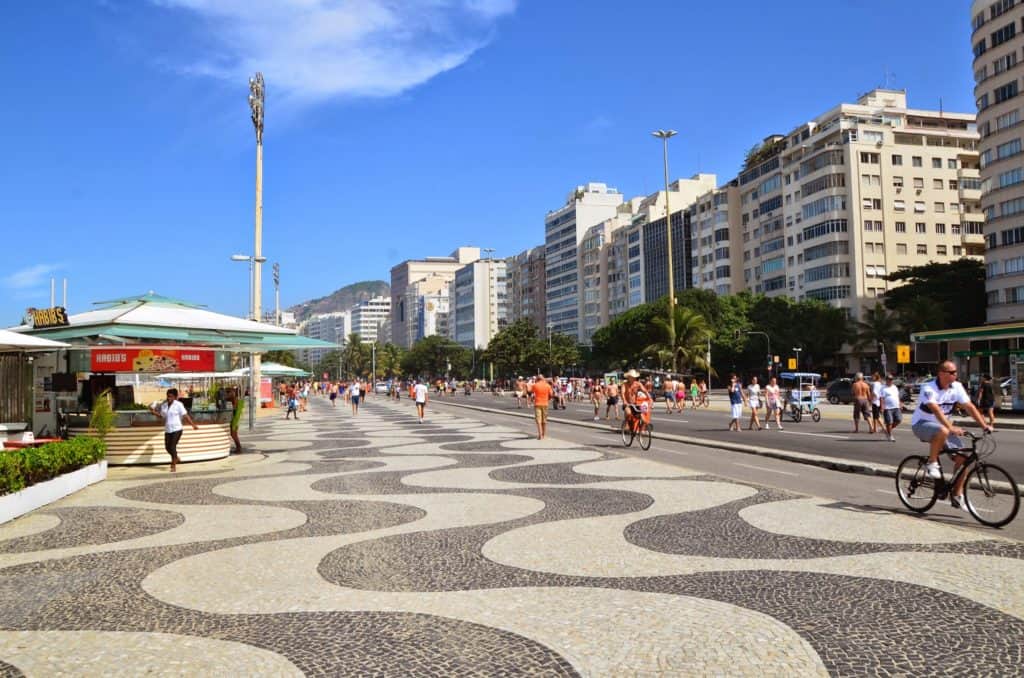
(15, 341)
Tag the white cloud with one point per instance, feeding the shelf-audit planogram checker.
(315, 49)
(33, 276)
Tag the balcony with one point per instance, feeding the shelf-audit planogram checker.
(972, 239)
(970, 194)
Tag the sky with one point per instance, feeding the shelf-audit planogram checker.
(395, 129)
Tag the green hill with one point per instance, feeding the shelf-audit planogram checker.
(341, 300)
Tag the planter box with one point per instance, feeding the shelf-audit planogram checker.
(49, 491)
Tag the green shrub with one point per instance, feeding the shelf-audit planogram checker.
(101, 420)
(21, 468)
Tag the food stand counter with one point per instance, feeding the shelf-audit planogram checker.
(138, 436)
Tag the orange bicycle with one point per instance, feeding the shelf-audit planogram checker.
(637, 423)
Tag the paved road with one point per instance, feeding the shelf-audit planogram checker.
(378, 545)
(830, 437)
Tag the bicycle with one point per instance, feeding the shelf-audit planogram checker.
(635, 427)
(991, 494)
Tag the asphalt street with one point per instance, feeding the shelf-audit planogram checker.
(829, 437)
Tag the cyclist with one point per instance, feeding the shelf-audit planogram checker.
(637, 398)
(931, 423)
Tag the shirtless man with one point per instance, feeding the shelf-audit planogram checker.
(669, 388)
(520, 392)
(611, 392)
(861, 393)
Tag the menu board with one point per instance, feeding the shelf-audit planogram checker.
(151, 360)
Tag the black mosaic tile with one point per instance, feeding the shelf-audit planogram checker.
(84, 525)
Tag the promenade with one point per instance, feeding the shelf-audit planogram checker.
(374, 545)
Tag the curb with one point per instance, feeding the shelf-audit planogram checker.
(845, 466)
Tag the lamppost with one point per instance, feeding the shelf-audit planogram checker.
(665, 135)
(277, 294)
(797, 349)
(769, 340)
(253, 357)
(256, 100)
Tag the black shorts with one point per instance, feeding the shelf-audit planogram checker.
(876, 411)
(171, 442)
(613, 400)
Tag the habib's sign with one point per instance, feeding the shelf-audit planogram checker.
(49, 317)
(151, 360)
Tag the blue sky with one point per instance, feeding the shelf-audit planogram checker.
(395, 128)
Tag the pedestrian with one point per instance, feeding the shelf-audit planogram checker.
(611, 400)
(236, 418)
(754, 400)
(173, 413)
(876, 403)
(694, 394)
(773, 403)
(861, 402)
(356, 392)
(987, 399)
(596, 391)
(333, 394)
(419, 394)
(542, 392)
(735, 402)
(702, 388)
(891, 413)
(669, 391)
(293, 405)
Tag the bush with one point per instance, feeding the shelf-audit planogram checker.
(21, 468)
(101, 419)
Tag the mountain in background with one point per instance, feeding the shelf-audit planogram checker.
(341, 300)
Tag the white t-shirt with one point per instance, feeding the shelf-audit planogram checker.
(876, 392)
(771, 393)
(421, 393)
(890, 397)
(944, 398)
(754, 393)
(172, 415)
(354, 389)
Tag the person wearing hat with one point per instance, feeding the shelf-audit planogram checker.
(630, 392)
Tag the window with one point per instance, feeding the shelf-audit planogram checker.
(951, 163)
(1008, 149)
(955, 229)
(940, 229)
(1007, 91)
(979, 48)
(1003, 34)
(826, 272)
(996, 9)
(920, 227)
(821, 205)
(936, 163)
(918, 182)
(869, 247)
(869, 158)
(992, 297)
(940, 250)
(919, 206)
(937, 184)
(901, 227)
(922, 249)
(916, 161)
(901, 248)
(939, 207)
(1009, 207)
(1008, 119)
(829, 293)
(1013, 265)
(957, 250)
(872, 203)
(897, 182)
(829, 249)
(865, 180)
(825, 227)
(953, 185)
(899, 205)
(1011, 177)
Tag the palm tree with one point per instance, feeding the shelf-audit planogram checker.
(920, 315)
(877, 326)
(691, 337)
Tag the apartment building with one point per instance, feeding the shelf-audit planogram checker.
(479, 302)
(829, 209)
(332, 327)
(412, 281)
(997, 39)
(595, 267)
(711, 217)
(564, 228)
(526, 287)
(371, 319)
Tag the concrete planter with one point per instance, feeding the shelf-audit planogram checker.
(49, 491)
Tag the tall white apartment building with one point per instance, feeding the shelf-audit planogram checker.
(829, 209)
(479, 302)
(332, 327)
(564, 228)
(371, 320)
(412, 281)
(715, 264)
(997, 39)
(597, 274)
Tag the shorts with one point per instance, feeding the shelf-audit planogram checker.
(755, 403)
(519, 394)
(355, 400)
(540, 413)
(334, 396)
(737, 410)
(772, 405)
(861, 408)
(892, 416)
(926, 430)
(613, 400)
(171, 442)
(421, 403)
(876, 411)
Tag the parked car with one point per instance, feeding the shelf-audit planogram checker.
(380, 387)
(840, 391)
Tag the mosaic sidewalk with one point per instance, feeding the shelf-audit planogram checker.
(379, 546)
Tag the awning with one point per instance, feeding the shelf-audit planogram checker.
(15, 341)
(1001, 331)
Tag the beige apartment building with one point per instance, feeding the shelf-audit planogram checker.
(829, 209)
(526, 287)
(997, 38)
(415, 283)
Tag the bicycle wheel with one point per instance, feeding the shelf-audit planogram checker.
(915, 489)
(988, 500)
(627, 434)
(796, 413)
(816, 415)
(644, 434)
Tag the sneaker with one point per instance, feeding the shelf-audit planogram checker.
(891, 439)
(957, 502)
(597, 418)
(780, 428)
(933, 469)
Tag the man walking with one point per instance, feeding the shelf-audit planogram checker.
(356, 391)
(420, 396)
(173, 413)
(541, 391)
(876, 402)
(611, 400)
(891, 414)
(861, 402)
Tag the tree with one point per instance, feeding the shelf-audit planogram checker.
(879, 326)
(552, 356)
(356, 356)
(684, 348)
(280, 357)
(389, 360)
(437, 356)
(956, 287)
(920, 315)
(330, 363)
(511, 348)
(622, 341)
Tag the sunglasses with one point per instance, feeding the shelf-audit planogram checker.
(950, 371)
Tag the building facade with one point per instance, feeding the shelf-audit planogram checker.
(415, 279)
(526, 287)
(997, 37)
(479, 302)
(564, 228)
(371, 320)
(332, 327)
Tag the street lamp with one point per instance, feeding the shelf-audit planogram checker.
(797, 349)
(253, 396)
(769, 340)
(257, 96)
(665, 135)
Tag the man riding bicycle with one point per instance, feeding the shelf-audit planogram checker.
(931, 423)
(637, 399)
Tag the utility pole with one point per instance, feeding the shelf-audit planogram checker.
(257, 96)
(277, 294)
(665, 135)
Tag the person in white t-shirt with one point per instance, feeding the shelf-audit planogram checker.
(773, 403)
(356, 391)
(173, 413)
(754, 400)
(890, 404)
(876, 402)
(419, 392)
(931, 423)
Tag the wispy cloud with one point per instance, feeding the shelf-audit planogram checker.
(33, 276)
(317, 49)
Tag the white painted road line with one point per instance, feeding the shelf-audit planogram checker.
(878, 489)
(817, 435)
(762, 468)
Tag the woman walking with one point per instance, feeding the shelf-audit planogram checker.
(754, 400)
(735, 402)
(772, 402)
